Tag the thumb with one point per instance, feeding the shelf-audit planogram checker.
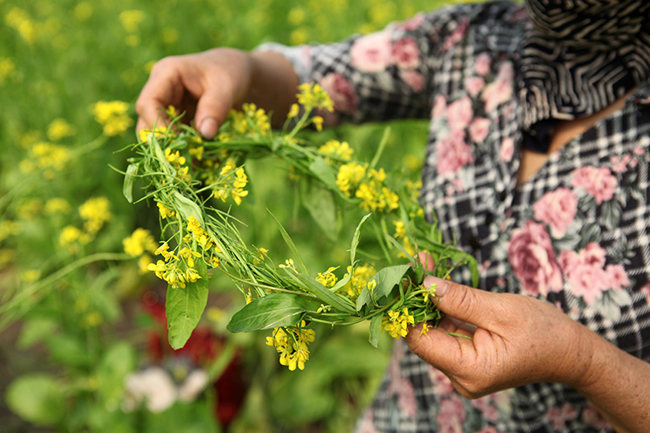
(464, 303)
(211, 110)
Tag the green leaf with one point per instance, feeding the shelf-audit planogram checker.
(272, 311)
(185, 306)
(397, 245)
(363, 299)
(324, 172)
(375, 329)
(325, 295)
(67, 350)
(355, 239)
(37, 398)
(320, 204)
(380, 148)
(129, 178)
(292, 246)
(188, 208)
(457, 256)
(388, 278)
(36, 330)
(117, 362)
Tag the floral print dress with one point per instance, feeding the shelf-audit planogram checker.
(575, 235)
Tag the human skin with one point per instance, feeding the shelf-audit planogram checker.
(517, 339)
(207, 85)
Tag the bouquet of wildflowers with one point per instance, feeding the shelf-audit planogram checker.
(186, 177)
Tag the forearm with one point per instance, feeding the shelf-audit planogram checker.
(273, 84)
(618, 385)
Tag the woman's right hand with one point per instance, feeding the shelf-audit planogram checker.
(207, 85)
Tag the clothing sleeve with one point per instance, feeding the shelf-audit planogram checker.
(379, 76)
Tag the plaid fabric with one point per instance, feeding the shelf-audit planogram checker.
(575, 235)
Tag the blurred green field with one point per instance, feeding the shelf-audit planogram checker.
(71, 330)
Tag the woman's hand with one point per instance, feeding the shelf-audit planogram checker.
(516, 340)
(207, 85)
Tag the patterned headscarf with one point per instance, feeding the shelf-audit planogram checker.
(581, 56)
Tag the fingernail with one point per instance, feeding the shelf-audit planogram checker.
(442, 286)
(209, 128)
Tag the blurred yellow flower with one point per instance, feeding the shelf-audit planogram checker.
(69, 235)
(30, 275)
(296, 16)
(169, 35)
(47, 155)
(140, 241)
(131, 20)
(7, 69)
(341, 150)
(112, 116)
(143, 263)
(8, 228)
(82, 11)
(22, 22)
(59, 129)
(29, 209)
(298, 36)
(96, 212)
(132, 40)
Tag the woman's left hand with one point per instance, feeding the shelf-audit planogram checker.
(516, 340)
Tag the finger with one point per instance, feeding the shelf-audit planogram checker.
(438, 348)
(451, 324)
(163, 88)
(212, 109)
(427, 260)
(474, 306)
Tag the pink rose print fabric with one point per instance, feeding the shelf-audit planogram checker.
(532, 259)
(576, 235)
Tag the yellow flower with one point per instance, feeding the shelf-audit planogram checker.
(56, 205)
(140, 241)
(293, 111)
(21, 21)
(30, 275)
(318, 122)
(400, 230)
(96, 212)
(188, 254)
(47, 155)
(192, 275)
(8, 228)
(131, 19)
(59, 129)
(174, 158)
(112, 116)
(7, 68)
(341, 150)
(291, 343)
(349, 177)
(360, 277)
(143, 263)
(158, 132)
(312, 95)
(396, 323)
(69, 235)
(29, 209)
(197, 152)
(327, 278)
(165, 212)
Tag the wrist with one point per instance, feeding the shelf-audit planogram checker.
(588, 359)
